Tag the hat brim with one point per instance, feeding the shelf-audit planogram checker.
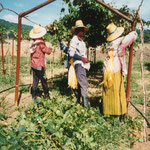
(116, 34)
(38, 35)
(85, 28)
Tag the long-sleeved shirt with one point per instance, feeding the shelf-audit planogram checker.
(77, 47)
(38, 49)
(119, 47)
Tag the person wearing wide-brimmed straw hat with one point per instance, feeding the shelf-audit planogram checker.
(114, 99)
(38, 49)
(78, 51)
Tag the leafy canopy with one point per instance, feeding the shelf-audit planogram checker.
(94, 16)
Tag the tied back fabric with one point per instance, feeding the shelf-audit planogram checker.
(72, 78)
(109, 74)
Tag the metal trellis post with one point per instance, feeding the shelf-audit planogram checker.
(3, 68)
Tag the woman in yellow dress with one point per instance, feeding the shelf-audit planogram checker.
(114, 99)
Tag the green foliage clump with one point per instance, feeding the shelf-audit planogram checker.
(3, 115)
(146, 36)
(97, 20)
(11, 29)
(59, 124)
(7, 80)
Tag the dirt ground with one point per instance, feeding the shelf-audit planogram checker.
(26, 99)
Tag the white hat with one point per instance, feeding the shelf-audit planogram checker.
(37, 32)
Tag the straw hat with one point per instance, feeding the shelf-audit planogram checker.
(79, 24)
(114, 31)
(37, 32)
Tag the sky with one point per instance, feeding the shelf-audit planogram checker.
(133, 5)
(43, 16)
(49, 13)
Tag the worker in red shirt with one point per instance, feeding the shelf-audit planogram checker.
(38, 49)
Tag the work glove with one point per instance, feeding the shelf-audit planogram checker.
(59, 39)
(84, 60)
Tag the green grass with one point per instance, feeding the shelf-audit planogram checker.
(10, 76)
(136, 90)
(57, 123)
(25, 70)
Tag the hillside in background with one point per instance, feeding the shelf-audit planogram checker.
(14, 26)
(10, 28)
(146, 36)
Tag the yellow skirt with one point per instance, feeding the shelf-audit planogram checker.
(114, 99)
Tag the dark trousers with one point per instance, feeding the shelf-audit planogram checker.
(82, 81)
(39, 75)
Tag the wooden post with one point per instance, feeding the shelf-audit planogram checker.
(18, 60)
(9, 62)
(129, 70)
(94, 55)
(12, 51)
(88, 53)
(52, 69)
(3, 68)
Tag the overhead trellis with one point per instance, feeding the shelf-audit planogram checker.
(20, 16)
(23, 14)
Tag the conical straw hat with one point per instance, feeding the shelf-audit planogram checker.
(114, 32)
(37, 32)
(79, 24)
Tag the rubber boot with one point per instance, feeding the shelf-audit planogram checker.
(121, 117)
(85, 102)
(78, 101)
(46, 92)
(46, 96)
(34, 97)
(78, 96)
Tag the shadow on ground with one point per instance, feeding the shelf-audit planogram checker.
(147, 65)
(95, 77)
(60, 83)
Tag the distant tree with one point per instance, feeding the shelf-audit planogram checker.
(146, 36)
(3, 30)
